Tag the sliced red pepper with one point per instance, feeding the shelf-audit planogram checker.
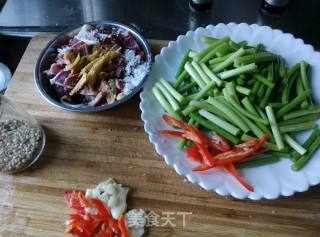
(253, 142)
(84, 202)
(190, 132)
(80, 233)
(219, 143)
(173, 122)
(105, 232)
(208, 159)
(72, 223)
(230, 168)
(241, 151)
(193, 154)
(193, 134)
(172, 133)
(72, 200)
(83, 226)
(103, 213)
(123, 227)
(202, 167)
(233, 156)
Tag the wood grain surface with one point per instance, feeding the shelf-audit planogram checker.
(85, 149)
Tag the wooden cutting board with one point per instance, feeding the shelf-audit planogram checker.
(85, 149)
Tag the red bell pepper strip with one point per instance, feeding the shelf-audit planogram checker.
(173, 122)
(219, 143)
(189, 132)
(253, 142)
(84, 202)
(193, 134)
(202, 167)
(105, 232)
(233, 156)
(82, 225)
(72, 223)
(73, 201)
(193, 154)
(123, 227)
(233, 171)
(171, 133)
(102, 210)
(206, 156)
(80, 233)
(241, 151)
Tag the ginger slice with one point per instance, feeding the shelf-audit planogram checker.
(79, 84)
(74, 64)
(90, 73)
(93, 74)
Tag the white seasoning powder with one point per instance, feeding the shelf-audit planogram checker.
(134, 71)
(63, 49)
(87, 35)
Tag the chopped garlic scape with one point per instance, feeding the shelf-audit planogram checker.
(112, 194)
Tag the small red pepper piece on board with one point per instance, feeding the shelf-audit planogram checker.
(123, 227)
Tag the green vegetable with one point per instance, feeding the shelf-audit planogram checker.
(256, 58)
(293, 103)
(212, 127)
(297, 127)
(194, 74)
(174, 104)
(312, 137)
(180, 79)
(230, 113)
(228, 61)
(304, 79)
(202, 74)
(187, 87)
(172, 91)
(199, 96)
(294, 144)
(220, 122)
(299, 120)
(237, 71)
(247, 113)
(205, 51)
(165, 104)
(184, 60)
(297, 165)
(300, 113)
(208, 40)
(274, 128)
(219, 59)
(263, 80)
(264, 160)
(210, 74)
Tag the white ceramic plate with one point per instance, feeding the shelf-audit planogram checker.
(268, 181)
